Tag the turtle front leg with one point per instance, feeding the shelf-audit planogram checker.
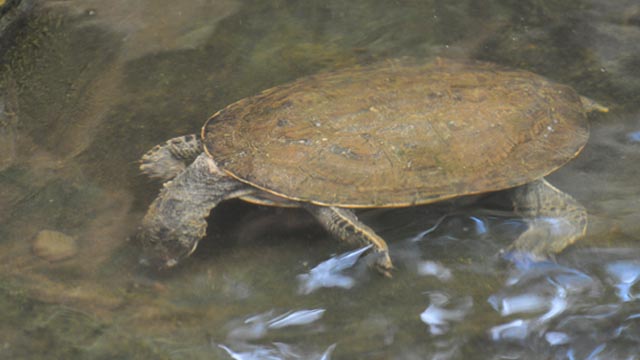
(176, 220)
(555, 219)
(343, 224)
(170, 158)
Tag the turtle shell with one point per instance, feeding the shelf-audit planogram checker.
(399, 133)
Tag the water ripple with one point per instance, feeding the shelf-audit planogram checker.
(433, 268)
(625, 274)
(329, 273)
(257, 326)
(275, 351)
(443, 311)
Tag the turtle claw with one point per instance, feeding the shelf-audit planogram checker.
(383, 264)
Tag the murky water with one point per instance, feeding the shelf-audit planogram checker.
(88, 86)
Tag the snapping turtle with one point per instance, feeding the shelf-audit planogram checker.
(393, 134)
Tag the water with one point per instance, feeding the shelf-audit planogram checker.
(89, 86)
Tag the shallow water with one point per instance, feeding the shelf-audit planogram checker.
(89, 86)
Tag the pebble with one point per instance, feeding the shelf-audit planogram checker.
(54, 246)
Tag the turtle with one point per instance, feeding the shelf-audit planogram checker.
(391, 134)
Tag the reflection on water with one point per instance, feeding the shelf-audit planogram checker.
(439, 317)
(625, 275)
(434, 269)
(257, 326)
(278, 351)
(88, 86)
(328, 273)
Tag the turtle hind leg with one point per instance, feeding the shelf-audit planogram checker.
(167, 160)
(343, 224)
(176, 220)
(555, 220)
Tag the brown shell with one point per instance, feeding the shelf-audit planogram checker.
(399, 133)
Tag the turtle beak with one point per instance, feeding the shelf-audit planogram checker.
(159, 262)
(160, 253)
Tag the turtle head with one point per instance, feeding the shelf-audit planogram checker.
(163, 249)
(177, 219)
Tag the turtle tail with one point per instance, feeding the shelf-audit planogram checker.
(590, 105)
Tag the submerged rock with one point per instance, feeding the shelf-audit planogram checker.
(54, 246)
